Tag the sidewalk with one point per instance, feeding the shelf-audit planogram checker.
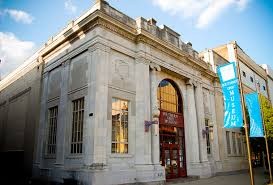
(237, 179)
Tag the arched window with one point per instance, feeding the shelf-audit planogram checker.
(169, 97)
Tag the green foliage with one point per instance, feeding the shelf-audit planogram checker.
(267, 115)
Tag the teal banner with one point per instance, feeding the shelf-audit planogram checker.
(254, 111)
(229, 82)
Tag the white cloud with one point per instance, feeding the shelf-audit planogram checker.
(13, 52)
(204, 11)
(68, 4)
(19, 16)
(212, 12)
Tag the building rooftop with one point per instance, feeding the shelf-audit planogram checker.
(163, 35)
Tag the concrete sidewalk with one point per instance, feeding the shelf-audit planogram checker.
(235, 179)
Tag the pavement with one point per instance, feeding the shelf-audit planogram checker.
(234, 179)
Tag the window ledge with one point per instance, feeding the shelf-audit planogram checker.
(233, 155)
(47, 156)
(74, 156)
(121, 155)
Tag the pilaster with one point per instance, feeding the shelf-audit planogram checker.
(155, 115)
(201, 121)
(214, 143)
(143, 139)
(62, 114)
(42, 122)
(191, 131)
(95, 126)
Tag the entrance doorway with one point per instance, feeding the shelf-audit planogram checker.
(171, 130)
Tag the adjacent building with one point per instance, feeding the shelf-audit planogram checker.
(269, 73)
(254, 79)
(116, 100)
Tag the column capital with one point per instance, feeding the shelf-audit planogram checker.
(99, 46)
(155, 67)
(143, 60)
(191, 82)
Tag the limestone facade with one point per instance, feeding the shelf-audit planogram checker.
(107, 63)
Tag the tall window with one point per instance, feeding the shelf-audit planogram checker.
(52, 130)
(207, 136)
(244, 74)
(234, 143)
(168, 97)
(239, 143)
(119, 126)
(77, 126)
(251, 79)
(228, 142)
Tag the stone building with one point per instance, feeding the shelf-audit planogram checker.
(19, 117)
(120, 101)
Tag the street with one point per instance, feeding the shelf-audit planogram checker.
(236, 179)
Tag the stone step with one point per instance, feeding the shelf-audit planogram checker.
(182, 180)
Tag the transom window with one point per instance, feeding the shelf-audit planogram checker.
(77, 126)
(119, 126)
(52, 130)
(168, 97)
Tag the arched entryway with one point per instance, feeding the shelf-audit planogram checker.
(171, 130)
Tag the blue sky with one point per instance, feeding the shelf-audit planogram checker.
(26, 24)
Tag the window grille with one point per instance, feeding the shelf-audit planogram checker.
(52, 130)
(239, 143)
(228, 142)
(168, 97)
(234, 143)
(119, 126)
(77, 126)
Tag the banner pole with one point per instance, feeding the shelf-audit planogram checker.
(245, 121)
(265, 137)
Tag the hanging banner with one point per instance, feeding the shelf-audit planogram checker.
(254, 111)
(229, 82)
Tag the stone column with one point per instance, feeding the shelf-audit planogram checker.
(143, 139)
(62, 115)
(214, 143)
(155, 115)
(191, 129)
(201, 121)
(42, 123)
(95, 127)
(219, 117)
